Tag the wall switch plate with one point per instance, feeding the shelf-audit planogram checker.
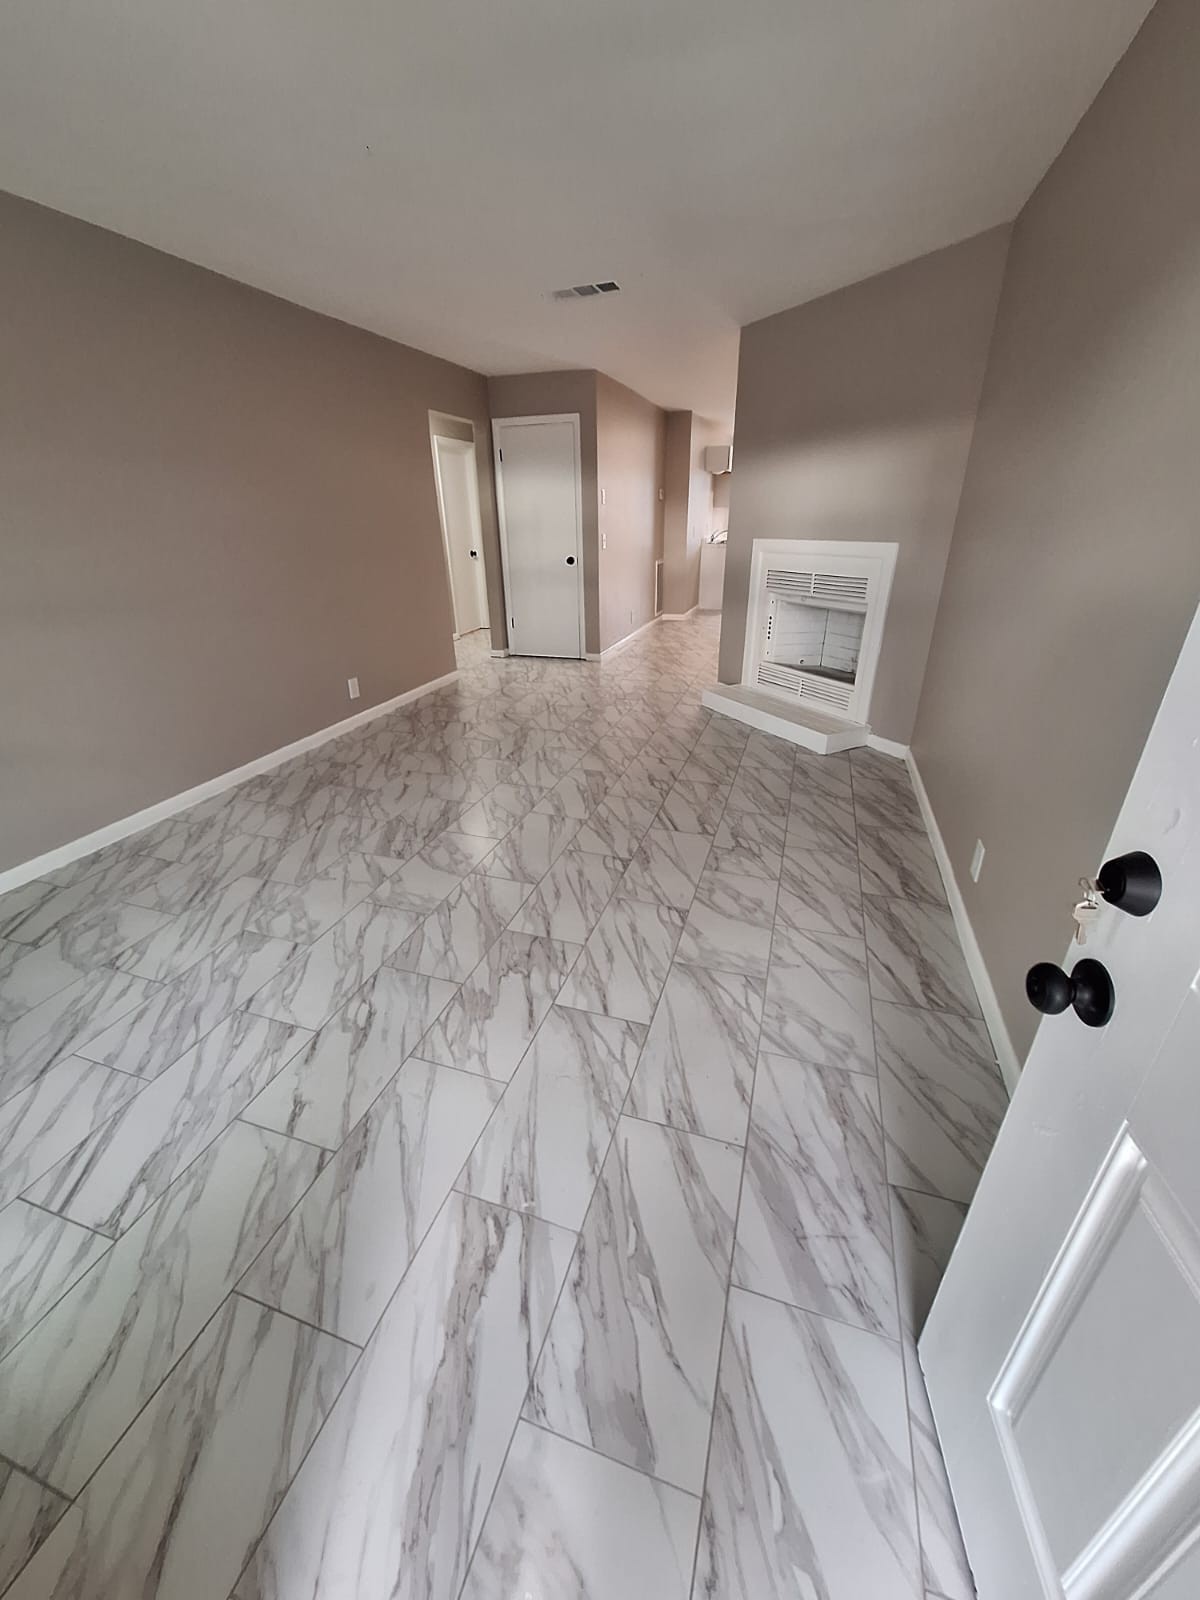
(352, 686)
(977, 856)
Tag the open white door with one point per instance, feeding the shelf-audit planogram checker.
(540, 504)
(1062, 1353)
(462, 530)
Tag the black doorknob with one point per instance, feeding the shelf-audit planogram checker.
(570, 561)
(1089, 989)
(474, 555)
(1131, 882)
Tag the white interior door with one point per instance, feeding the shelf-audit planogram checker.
(462, 530)
(540, 503)
(1062, 1353)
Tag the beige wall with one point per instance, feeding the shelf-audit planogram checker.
(216, 508)
(549, 394)
(854, 419)
(1075, 567)
(677, 484)
(630, 449)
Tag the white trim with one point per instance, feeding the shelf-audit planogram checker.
(499, 655)
(522, 422)
(1006, 1055)
(64, 854)
(611, 650)
(814, 730)
(677, 616)
(888, 747)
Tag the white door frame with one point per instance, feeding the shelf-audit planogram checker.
(519, 422)
(476, 512)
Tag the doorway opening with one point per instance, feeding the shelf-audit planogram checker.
(456, 478)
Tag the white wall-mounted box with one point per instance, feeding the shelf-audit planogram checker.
(718, 458)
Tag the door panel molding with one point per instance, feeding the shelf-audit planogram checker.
(1157, 1521)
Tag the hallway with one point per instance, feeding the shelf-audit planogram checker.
(508, 1151)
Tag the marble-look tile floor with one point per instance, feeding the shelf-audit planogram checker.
(508, 1151)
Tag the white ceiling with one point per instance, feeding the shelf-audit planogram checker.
(431, 169)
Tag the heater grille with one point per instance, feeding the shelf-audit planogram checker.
(805, 686)
(828, 588)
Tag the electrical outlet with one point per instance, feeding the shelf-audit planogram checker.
(603, 497)
(352, 686)
(662, 494)
(977, 860)
(631, 616)
(604, 541)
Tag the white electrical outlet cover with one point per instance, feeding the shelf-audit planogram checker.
(352, 686)
(977, 860)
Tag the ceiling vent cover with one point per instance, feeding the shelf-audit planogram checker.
(585, 291)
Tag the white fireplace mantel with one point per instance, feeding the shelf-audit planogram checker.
(814, 626)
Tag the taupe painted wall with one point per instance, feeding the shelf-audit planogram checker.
(677, 484)
(1075, 566)
(696, 504)
(216, 508)
(537, 394)
(854, 419)
(630, 451)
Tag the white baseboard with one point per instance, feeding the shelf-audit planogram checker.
(677, 616)
(612, 649)
(1006, 1055)
(499, 655)
(887, 747)
(27, 871)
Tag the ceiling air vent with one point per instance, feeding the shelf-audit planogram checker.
(584, 291)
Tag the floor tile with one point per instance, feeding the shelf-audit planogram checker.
(617, 827)
(315, 852)
(46, 1120)
(761, 790)
(303, 912)
(128, 1162)
(27, 1514)
(337, 1259)
(499, 811)
(666, 868)
(215, 1449)
(39, 913)
(322, 1093)
(31, 974)
(749, 844)
(577, 795)
(729, 924)
(814, 774)
(569, 900)
(63, 1024)
(819, 892)
(810, 1478)
(107, 1344)
(40, 1258)
(487, 1026)
(177, 1015)
(886, 803)
(692, 807)
(898, 862)
(629, 1362)
(818, 1006)
(697, 1064)
(456, 935)
(916, 958)
(390, 1500)
(820, 821)
(943, 1098)
(177, 887)
(182, 941)
(531, 849)
(569, 1523)
(322, 978)
(814, 1227)
(544, 1146)
(925, 1230)
(425, 879)
(625, 960)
